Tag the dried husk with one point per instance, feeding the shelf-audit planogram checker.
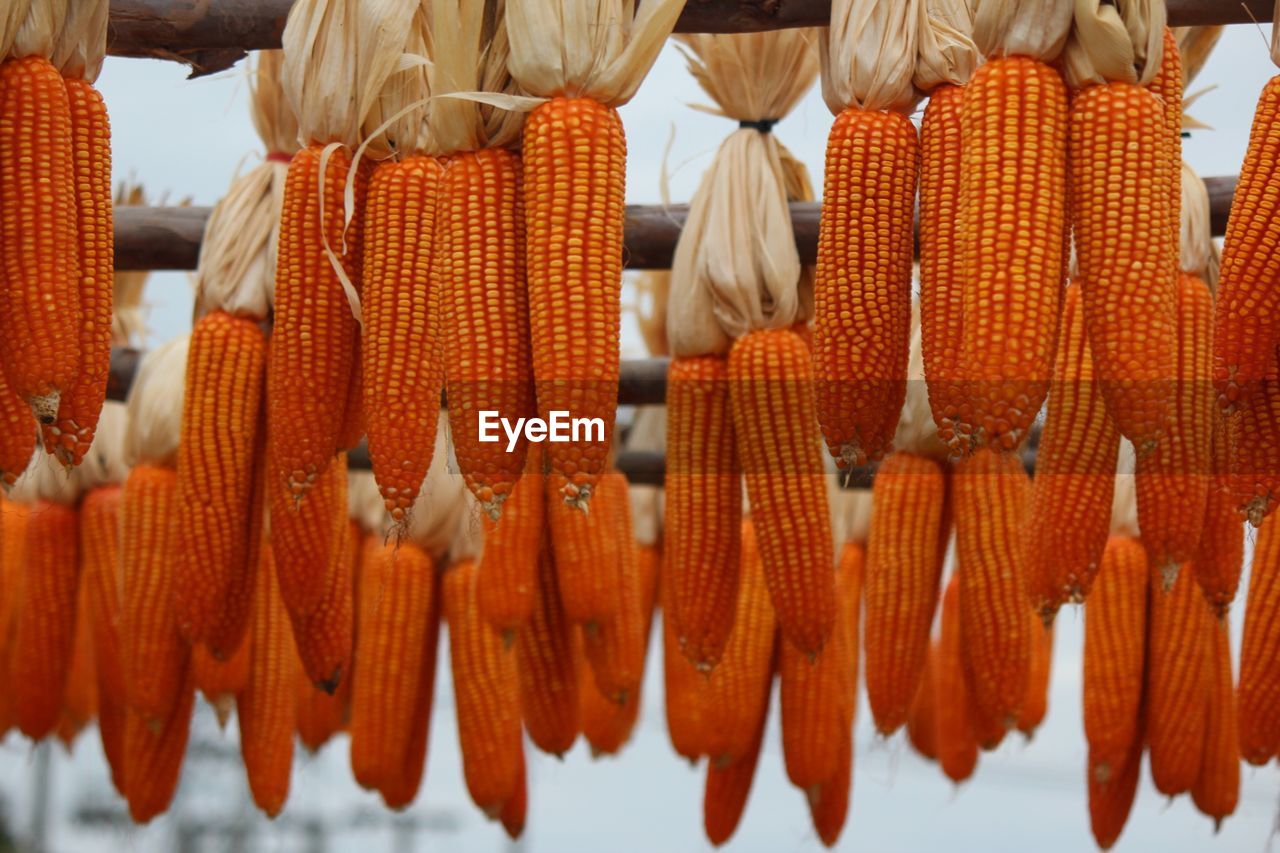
(155, 405)
(401, 118)
(652, 288)
(736, 267)
(128, 319)
(868, 55)
(46, 480)
(945, 51)
(917, 433)
(12, 14)
(365, 504)
(104, 464)
(1275, 34)
(599, 49)
(82, 43)
(473, 59)
(1195, 44)
(36, 32)
(468, 538)
(1124, 503)
(648, 433)
(1114, 41)
(850, 513)
(1034, 28)
(1196, 243)
(441, 507)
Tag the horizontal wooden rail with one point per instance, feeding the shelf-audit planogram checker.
(168, 238)
(212, 35)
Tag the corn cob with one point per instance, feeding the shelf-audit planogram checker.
(216, 470)
(80, 404)
(684, 688)
(40, 300)
(80, 694)
(319, 715)
(13, 546)
(488, 362)
(991, 490)
(771, 395)
(486, 696)
(353, 419)
(548, 662)
(1167, 87)
(17, 434)
(1217, 789)
(1115, 638)
(399, 791)
(588, 548)
(1255, 450)
(1075, 467)
(1037, 703)
(1219, 556)
(862, 290)
(153, 756)
(227, 631)
(1111, 798)
(957, 742)
(615, 650)
(1120, 211)
(45, 630)
(921, 719)
(1244, 335)
(941, 296)
(514, 809)
(1173, 481)
(401, 346)
(312, 340)
(903, 573)
(1258, 697)
(100, 574)
(574, 174)
(829, 802)
(303, 538)
(724, 798)
(398, 600)
(325, 637)
(818, 698)
(219, 681)
(508, 568)
(703, 509)
(265, 707)
(1176, 701)
(1013, 201)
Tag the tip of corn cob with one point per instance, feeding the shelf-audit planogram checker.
(45, 408)
(1168, 576)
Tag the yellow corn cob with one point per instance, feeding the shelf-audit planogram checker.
(1219, 556)
(100, 573)
(508, 568)
(1013, 216)
(957, 742)
(1258, 698)
(574, 174)
(1217, 789)
(548, 663)
(771, 395)
(154, 751)
(588, 548)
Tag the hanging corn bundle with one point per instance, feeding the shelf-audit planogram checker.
(862, 290)
(586, 58)
(1258, 696)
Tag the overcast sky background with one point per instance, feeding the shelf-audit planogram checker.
(188, 138)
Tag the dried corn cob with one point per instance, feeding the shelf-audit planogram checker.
(548, 659)
(729, 785)
(588, 548)
(684, 688)
(1014, 123)
(702, 518)
(957, 742)
(100, 574)
(1258, 698)
(903, 574)
(1037, 703)
(1219, 556)
(401, 345)
(80, 694)
(514, 810)
(1255, 450)
(1217, 789)
(219, 681)
(862, 290)
(304, 537)
(771, 395)
(319, 715)
(922, 728)
(325, 637)
(829, 802)
(17, 434)
(1111, 799)
(615, 650)
(227, 632)
(153, 756)
(508, 568)
(1075, 467)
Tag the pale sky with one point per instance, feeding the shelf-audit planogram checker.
(187, 138)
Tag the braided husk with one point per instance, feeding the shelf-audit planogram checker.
(868, 55)
(1034, 28)
(82, 42)
(473, 59)
(945, 50)
(35, 27)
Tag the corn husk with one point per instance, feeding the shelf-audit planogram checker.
(36, 33)
(468, 538)
(736, 267)
(868, 55)
(850, 514)
(1196, 243)
(128, 319)
(237, 267)
(599, 49)
(648, 433)
(441, 507)
(1114, 41)
(46, 480)
(1275, 34)
(365, 504)
(104, 464)
(1035, 28)
(155, 405)
(945, 50)
(651, 289)
(1124, 503)
(1195, 44)
(82, 43)
(12, 14)
(400, 119)
(473, 59)
(917, 433)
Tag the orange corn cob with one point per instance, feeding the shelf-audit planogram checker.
(574, 174)
(1173, 481)
(941, 294)
(398, 603)
(488, 361)
(922, 728)
(313, 338)
(818, 698)
(265, 707)
(1244, 334)
(353, 420)
(155, 655)
(1111, 799)
(1075, 467)
(1217, 789)
(829, 802)
(903, 572)
(1120, 211)
(684, 688)
(219, 681)
(46, 620)
(1115, 640)
(304, 538)
(13, 521)
(724, 798)
(1014, 206)
(80, 695)
(862, 290)
(1167, 87)
(1037, 703)
(319, 715)
(957, 742)
(154, 751)
(1176, 699)
(772, 402)
(227, 632)
(515, 809)
(70, 435)
(1258, 698)
(1219, 556)
(508, 568)
(615, 649)
(548, 663)
(398, 792)
(17, 434)
(100, 574)
(991, 491)
(486, 695)
(588, 548)
(216, 470)
(736, 695)
(325, 637)
(703, 511)
(1255, 450)
(401, 346)
(39, 259)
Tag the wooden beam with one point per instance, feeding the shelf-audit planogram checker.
(212, 35)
